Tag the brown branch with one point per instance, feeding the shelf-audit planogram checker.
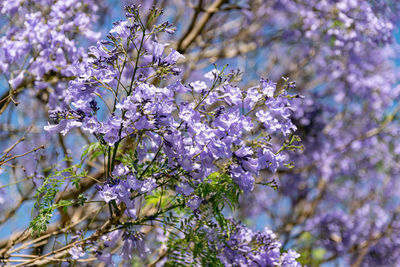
(199, 26)
(21, 155)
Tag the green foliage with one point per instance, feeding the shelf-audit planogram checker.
(291, 144)
(189, 244)
(93, 150)
(45, 197)
(218, 190)
(310, 255)
(273, 184)
(188, 241)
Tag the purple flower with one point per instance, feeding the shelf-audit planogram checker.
(63, 127)
(173, 57)
(108, 193)
(289, 259)
(91, 125)
(184, 189)
(198, 86)
(120, 170)
(158, 50)
(211, 75)
(133, 242)
(134, 183)
(194, 202)
(243, 178)
(76, 252)
(17, 80)
(121, 29)
(111, 239)
(148, 185)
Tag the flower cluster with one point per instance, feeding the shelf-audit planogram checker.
(42, 41)
(347, 123)
(133, 242)
(227, 243)
(200, 136)
(176, 134)
(240, 250)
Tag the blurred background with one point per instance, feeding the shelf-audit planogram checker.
(339, 203)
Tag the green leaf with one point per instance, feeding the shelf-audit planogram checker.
(318, 253)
